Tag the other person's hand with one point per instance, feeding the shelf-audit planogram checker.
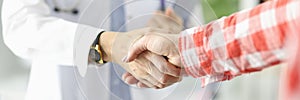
(116, 45)
(159, 43)
(167, 20)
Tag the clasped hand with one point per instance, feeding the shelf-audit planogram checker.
(150, 55)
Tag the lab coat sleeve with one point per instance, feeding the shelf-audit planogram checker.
(84, 37)
(30, 30)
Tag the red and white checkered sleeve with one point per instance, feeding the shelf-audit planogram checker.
(244, 42)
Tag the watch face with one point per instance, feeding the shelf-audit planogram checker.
(94, 55)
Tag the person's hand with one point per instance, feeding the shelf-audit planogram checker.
(145, 74)
(158, 43)
(167, 20)
(149, 74)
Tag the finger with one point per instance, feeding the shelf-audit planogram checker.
(161, 48)
(135, 50)
(125, 75)
(142, 85)
(157, 22)
(153, 75)
(145, 77)
(178, 79)
(153, 81)
(149, 67)
(157, 78)
(167, 47)
(166, 85)
(140, 45)
(131, 80)
(168, 79)
(175, 60)
(169, 12)
(162, 65)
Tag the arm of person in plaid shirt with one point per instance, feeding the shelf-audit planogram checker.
(244, 42)
(247, 41)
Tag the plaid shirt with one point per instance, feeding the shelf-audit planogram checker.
(244, 42)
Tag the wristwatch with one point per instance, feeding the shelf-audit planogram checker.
(96, 51)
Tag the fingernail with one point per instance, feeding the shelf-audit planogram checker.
(123, 78)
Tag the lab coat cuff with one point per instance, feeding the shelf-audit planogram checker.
(84, 38)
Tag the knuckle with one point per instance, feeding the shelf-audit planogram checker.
(150, 69)
(148, 66)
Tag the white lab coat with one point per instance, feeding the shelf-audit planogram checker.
(32, 30)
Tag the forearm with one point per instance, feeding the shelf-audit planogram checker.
(244, 42)
(106, 42)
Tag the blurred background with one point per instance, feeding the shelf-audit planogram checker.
(14, 72)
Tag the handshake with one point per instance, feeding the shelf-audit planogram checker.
(149, 55)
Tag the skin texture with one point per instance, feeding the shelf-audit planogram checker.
(144, 69)
(149, 70)
(160, 44)
(168, 21)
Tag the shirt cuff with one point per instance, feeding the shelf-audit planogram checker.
(84, 38)
(190, 54)
(195, 58)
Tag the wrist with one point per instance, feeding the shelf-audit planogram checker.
(106, 41)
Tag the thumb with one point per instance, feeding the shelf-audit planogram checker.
(135, 50)
(170, 12)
